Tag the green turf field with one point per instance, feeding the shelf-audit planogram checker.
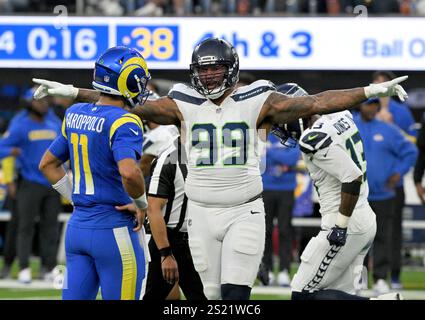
(413, 280)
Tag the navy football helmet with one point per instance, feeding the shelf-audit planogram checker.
(122, 71)
(214, 52)
(290, 133)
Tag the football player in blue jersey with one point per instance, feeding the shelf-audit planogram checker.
(103, 143)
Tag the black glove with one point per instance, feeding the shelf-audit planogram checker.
(337, 236)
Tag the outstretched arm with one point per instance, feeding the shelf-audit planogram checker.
(283, 109)
(279, 108)
(162, 111)
(87, 95)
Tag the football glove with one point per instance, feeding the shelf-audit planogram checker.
(53, 88)
(387, 89)
(337, 236)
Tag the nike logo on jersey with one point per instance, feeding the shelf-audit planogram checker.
(311, 137)
(134, 131)
(255, 212)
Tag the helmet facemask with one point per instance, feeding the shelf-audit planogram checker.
(211, 83)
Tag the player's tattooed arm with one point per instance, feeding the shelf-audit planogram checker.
(87, 95)
(284, 109)
(162, 111)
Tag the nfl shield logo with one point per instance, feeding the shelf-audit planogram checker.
(106, 78)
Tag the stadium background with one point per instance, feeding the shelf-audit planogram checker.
(318, 66)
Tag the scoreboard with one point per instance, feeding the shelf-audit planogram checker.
(262, 43)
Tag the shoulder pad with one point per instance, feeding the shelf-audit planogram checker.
(185, 93)
(313, 141)
(254, 89)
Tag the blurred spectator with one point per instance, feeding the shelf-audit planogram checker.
(216, 7)
(33, 130)
(373, 6)
(399, 114)
(420, 7)
(151, 8)
(394, 111)
(104, 7)
(5, 6)
(313, 6)
(243, 7)
(389, 156)
(279, 180)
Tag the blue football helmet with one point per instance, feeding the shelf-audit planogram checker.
(290, 133)
(122, 71)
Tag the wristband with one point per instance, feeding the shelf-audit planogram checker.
(141, 202)
(165, 252)
(368, 92)
(64, 187)
(341, 220)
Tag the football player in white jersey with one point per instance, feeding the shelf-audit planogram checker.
(220, 127)
(332, 262)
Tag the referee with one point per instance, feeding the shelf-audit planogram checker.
(171, 260)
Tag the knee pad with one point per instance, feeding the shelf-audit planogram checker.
(212, 291)
(235, 292)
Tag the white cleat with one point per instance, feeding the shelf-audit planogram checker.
(24, 276)
(381, 287)
(283, 279)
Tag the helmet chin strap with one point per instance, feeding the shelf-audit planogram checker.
(220, 91)
(214, 96)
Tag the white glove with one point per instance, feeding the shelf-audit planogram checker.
(53, 88)
(387, 89)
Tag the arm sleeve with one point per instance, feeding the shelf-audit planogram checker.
(162, 180)
(404, 150)
(59, 148)
(126, 141)
(336, 161)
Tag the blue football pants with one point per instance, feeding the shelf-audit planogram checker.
(110, 258)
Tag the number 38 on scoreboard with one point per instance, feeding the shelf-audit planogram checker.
(155, 43)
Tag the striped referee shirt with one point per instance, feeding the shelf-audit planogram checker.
(168, 176)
